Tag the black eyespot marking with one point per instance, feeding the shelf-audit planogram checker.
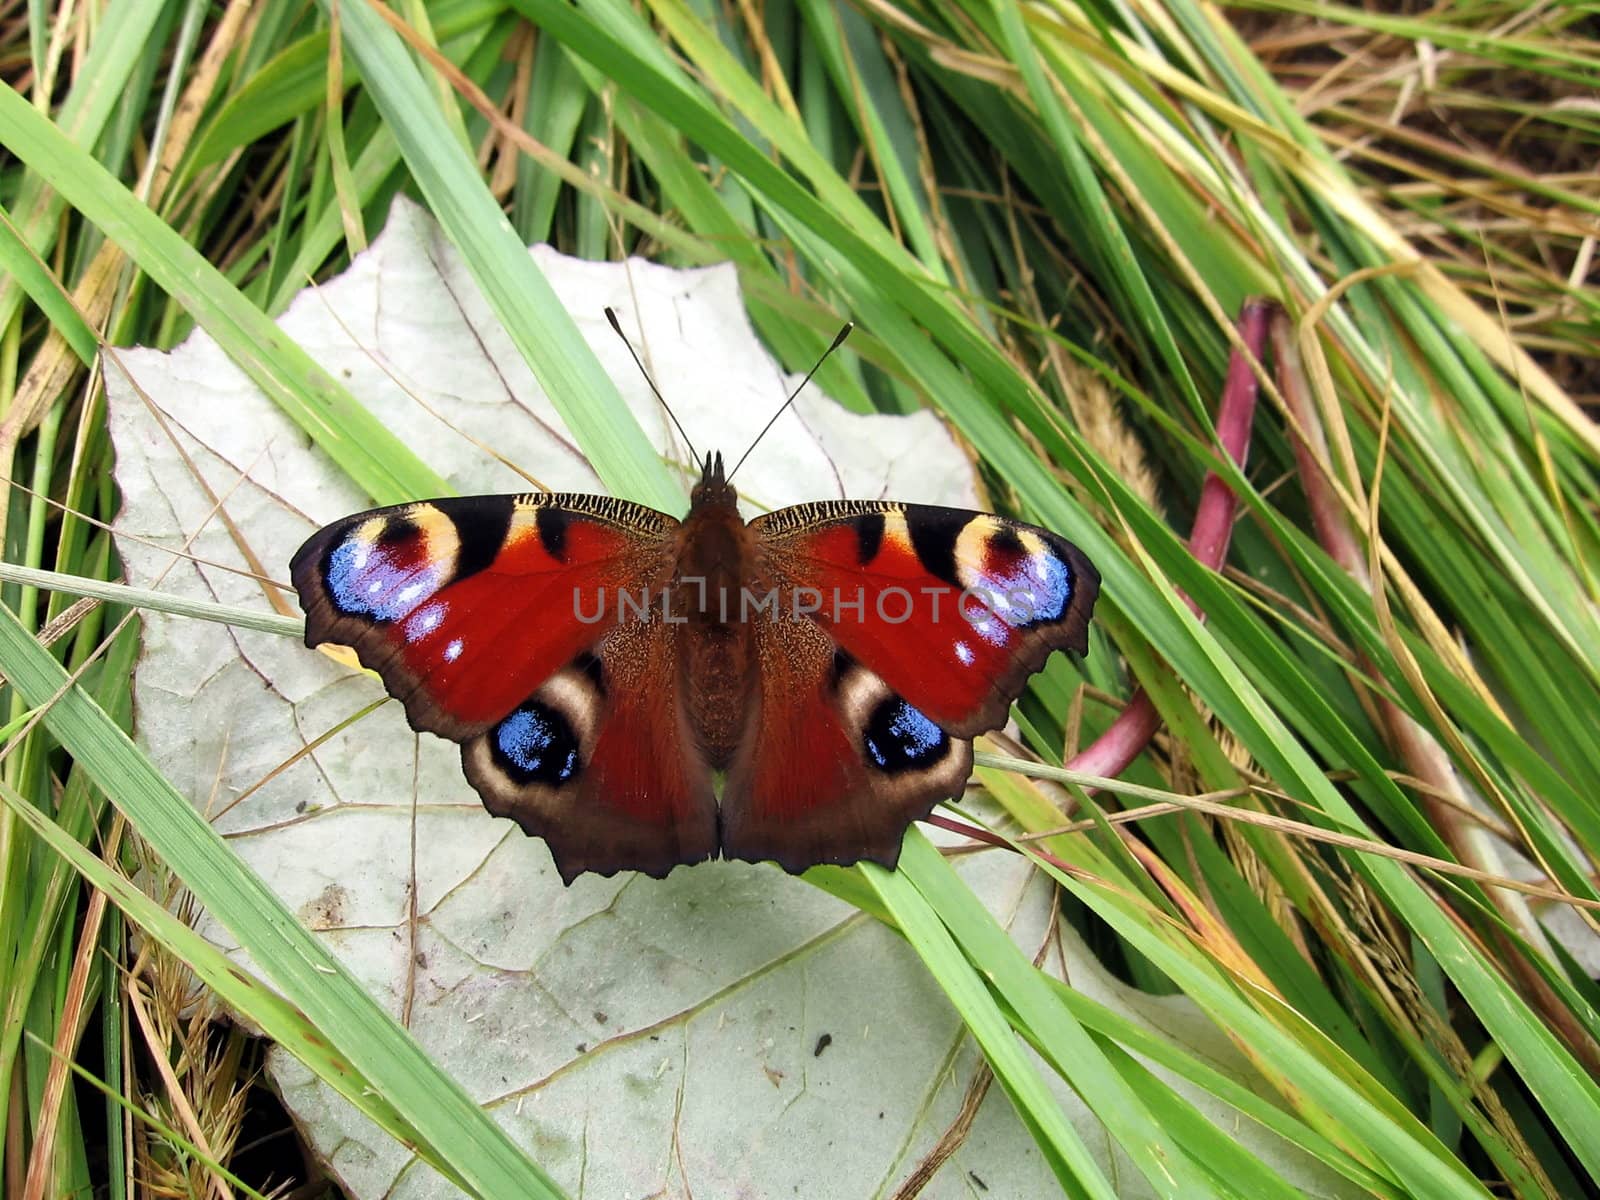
(1005, 544)
(839, 668)
(591, 666)
(396, 530)
(552, 523)
(481, 531)
(869, 536)
(535, 744)
(933, 537)
(899, 738)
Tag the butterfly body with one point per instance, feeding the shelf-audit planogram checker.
(716, 563)
(601, 663)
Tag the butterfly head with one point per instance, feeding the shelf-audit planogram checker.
(713, 490)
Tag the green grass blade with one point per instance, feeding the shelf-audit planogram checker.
(431, 1103)
(538, 324)
(378, 463)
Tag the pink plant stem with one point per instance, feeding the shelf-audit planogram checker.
(1127, 736)
(1424, 757)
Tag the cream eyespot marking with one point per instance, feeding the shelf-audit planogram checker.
(453, 650)
(964, 653)
(896, 532)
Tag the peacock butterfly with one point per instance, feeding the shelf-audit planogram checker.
(598, 661)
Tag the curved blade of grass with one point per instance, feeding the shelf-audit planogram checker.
(123, 36)
(534, 318)
(292, 83)
(21, 266)
(136, 597)
(1063, 1149)
(1167, 1168)
(278, 1018)
(372, 456)
(457, 1134)
(1373, 1120)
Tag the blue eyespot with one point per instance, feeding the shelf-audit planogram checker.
(536, 744)
(1037, 589)
(369, 580)
(899, 738)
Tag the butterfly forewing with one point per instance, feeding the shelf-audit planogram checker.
(465, 606)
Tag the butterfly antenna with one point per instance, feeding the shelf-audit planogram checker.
(838, 341)
(611, 316)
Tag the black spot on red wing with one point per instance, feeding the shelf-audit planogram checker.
(552, 524)
(396, 530)
(840, 666)
(481, 531)
(869, 536)
(933, 537)
(1004, 546)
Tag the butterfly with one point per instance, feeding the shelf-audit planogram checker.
(600, 663)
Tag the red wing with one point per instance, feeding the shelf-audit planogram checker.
(833, 765)
(494, 620)
(465, 606)
(599, 762)
(952, 609)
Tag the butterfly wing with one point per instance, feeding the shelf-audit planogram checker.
(494, 620)
(874, 673)
(834, 764)
(600, 762)
(954, 610)
(465, 606)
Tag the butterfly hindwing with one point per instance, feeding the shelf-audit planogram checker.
(833, 764)
(953, 610)
(599, 762)
(464, 606)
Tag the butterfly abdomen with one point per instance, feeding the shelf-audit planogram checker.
(717, 676)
